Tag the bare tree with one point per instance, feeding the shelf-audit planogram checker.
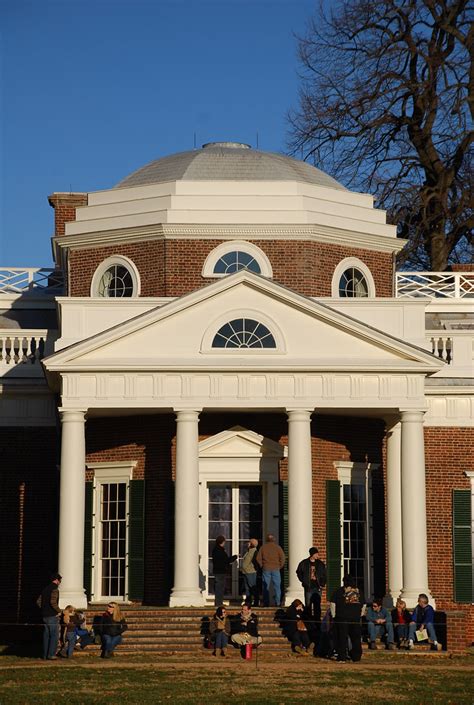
(387, 106)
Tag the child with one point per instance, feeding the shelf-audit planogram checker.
(423, 618)
(69, 621)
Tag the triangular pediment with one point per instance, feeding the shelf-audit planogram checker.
(309, 335)
(238, 442)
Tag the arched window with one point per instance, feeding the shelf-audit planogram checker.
(115, 277)
(352, 279)
(234, 261)
(353, 284)
(234, 256)
(243, 333)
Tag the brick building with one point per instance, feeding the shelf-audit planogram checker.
(224, 347)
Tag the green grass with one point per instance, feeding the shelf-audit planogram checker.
(143, 680)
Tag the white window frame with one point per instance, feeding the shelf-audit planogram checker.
(216, 325)
(350, 473)
(237, 245)
(356, 263)
(121, 261)
(105, 473)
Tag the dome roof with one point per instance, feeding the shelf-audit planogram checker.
(234, 161)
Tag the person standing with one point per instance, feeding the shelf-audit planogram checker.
(271, 559)
(346, 607)
(249, 573)
(220, 565)
(311, 573)
(48, 602)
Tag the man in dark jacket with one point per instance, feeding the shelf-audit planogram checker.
(346, 606)
(311, 573)
(220, 565)
(245, 628)
(48, 602)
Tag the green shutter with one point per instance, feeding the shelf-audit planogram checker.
(283, 528)
(88, 539)
(136, 540)
(462, 545)
(333, 535)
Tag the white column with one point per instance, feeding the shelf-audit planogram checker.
(71, 509)
(300, 496)
(394, 511)
(414, 540)
(186, 591)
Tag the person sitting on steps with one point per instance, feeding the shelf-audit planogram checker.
(379, 622)
(219, 629)
(423, 618)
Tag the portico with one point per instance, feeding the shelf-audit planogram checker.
(130, 368)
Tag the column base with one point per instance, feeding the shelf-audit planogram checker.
(186, 598)
(293, 593)
(411, 596)
(72, 596)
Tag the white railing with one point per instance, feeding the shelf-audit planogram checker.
(24, 280)
(454, 285)
(442, 347)
(22, 347)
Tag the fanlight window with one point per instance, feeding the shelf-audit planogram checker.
(116, 282)
(243, 333)
(353, 284)
(235, 261)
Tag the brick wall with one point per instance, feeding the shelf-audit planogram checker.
(29, 495)
(448, 451)
(65, 205)
(173, 267)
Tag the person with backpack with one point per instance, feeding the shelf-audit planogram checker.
(346, 607)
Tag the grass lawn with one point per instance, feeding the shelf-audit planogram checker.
(179, 680)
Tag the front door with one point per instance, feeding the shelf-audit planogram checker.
(236, 511)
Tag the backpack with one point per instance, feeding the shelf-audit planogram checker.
(351, 595)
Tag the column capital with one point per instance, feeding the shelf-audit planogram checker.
(70, 415)
(299, 414)
(187, 414)
(412, 415)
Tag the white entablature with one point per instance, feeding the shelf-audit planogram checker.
(164, 356)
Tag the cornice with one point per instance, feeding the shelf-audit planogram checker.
(172, 231)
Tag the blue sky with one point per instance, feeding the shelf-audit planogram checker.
(90, 91)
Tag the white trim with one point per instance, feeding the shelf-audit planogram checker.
(223, 318)
(175, 231)
(243, 457)
(105, 473)
(359, 473)
(236, 245)
(356, 263)
(109, 262)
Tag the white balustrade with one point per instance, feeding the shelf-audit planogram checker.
(22, 347)
(454, 285)
(442, 347)
(23, 280)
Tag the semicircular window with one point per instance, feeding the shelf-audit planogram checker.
(235, 261)
(353, 284)
(243, 333)
(116, 282)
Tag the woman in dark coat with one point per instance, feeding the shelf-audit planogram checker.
(220, 564)
(219, 629)
(296, 627)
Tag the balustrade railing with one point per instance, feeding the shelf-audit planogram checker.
(22, 347)
(24, 280)
(454, 285)
(442, 347)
